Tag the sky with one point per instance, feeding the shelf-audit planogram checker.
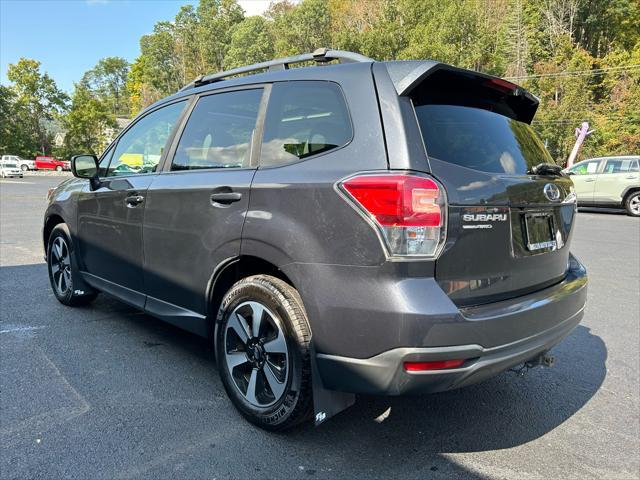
(69, 36)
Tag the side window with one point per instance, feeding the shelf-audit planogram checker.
(304, 118)
(621, 166)
(613, 166)
(140, 148)
(219, 132)
(586, 168)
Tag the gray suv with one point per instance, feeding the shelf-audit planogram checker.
(352, 227)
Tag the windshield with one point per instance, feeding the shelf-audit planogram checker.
(480, 139)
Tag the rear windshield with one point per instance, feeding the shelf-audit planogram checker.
(480, 139)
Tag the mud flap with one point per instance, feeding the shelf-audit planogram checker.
(80, 287)
(326, 403)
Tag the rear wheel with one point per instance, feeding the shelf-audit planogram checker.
(61, 269)
(632, 204)
(262, 351)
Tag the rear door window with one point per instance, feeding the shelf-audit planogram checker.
(219, 132)
(620, 166)
(304, 118)
(480, 139)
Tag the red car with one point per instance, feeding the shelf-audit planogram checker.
(50, 163)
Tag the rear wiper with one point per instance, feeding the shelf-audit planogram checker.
(546, 169)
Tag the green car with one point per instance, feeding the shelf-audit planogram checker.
(608, 182)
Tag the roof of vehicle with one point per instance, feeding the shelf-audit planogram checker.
(406, 75)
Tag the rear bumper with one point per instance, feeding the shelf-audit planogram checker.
(423, 325)
(384, 374)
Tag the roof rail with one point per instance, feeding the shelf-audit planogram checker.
(321, 56)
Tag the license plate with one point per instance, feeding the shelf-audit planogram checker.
(539, 230)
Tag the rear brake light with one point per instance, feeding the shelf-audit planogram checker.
(501, 85)
(437, 365)
(408, 210)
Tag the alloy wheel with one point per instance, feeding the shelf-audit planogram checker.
(634, 204)
(60, 263)
(256, 353)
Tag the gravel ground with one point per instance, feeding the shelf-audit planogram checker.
(107, 392)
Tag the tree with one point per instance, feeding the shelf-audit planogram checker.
(14, 137)
(38, 101)
(301, 29)
(108, 79)
(552, 47)
(87, 123)
(251, 42)
(216, 19)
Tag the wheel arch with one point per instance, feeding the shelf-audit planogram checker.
(232, 271)
(51, 222)
(628, 191)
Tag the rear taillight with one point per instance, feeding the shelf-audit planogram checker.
(408, 210)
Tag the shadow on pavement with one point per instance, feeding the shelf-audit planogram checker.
(410, 434)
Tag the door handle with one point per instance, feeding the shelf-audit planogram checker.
(589, 180)
(631, 177)
(225, 198)
(134, 200)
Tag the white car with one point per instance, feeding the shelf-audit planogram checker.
(22, 163)
(10, 169)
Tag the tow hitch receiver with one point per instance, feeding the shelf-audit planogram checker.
(542, 360)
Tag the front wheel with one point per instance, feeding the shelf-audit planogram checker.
(24, 168)
(262, 352)
(58, 168)
(632, 204)
(61, 269)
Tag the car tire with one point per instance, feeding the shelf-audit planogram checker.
(62, 271)
(58, 168)
(266, 372)
(24, 168)
(632, 204)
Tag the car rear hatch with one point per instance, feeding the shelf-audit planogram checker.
(509, 223)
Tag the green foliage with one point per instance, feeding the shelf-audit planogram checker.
(251, 42)
(107, 79)
(579, 57)
(89, 123)
(30, 104)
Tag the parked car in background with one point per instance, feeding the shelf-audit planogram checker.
(608, 182)
(50, 163)
(10, 168)
(22, 163)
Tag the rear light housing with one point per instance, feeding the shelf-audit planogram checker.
(409, 211)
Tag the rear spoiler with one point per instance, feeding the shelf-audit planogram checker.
(427, 81)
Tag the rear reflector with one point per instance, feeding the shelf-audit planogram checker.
(409, 210)
(426, 366)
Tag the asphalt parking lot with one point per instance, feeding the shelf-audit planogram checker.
(107, 392)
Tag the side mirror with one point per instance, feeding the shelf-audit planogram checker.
(86, 166)
(569, 172)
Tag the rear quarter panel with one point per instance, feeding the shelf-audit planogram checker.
(295, 214)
